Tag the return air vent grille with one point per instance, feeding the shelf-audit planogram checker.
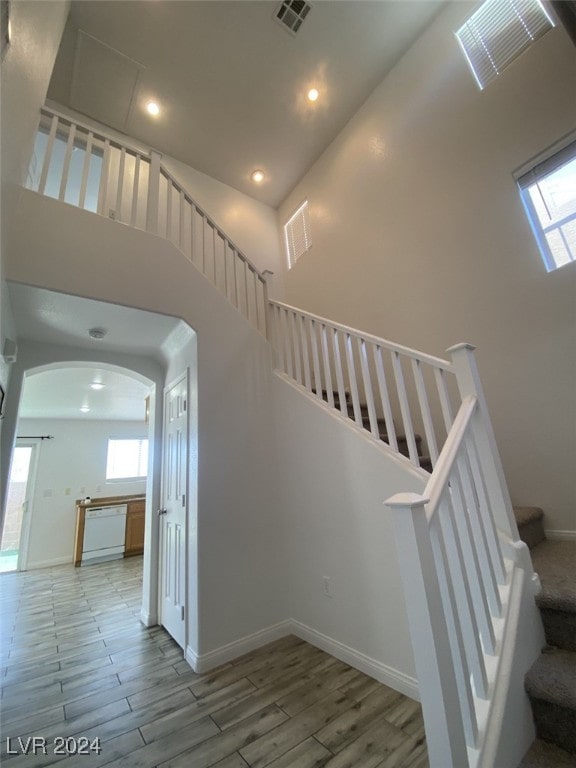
(291, 14)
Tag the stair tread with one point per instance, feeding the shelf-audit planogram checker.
(552, 678)
(542, 754)
(555, 563)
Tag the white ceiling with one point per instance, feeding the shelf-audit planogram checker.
(55, 318)
(230, 80)
(61, 392)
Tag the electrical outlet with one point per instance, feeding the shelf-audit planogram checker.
(67, 491)
(111, 213)
(327, 584)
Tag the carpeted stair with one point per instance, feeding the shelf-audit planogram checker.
(425, 462)
(551, 681)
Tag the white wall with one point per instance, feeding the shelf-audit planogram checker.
(419, 236)
(335, 525)
(239, 547)
(25, 73)
(70, 466)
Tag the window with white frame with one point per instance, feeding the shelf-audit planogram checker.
(498, 32)
(297, 234)
(548, 191)
(127, 459)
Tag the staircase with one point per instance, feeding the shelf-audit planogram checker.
(402, 441)
(551, 681)
(467, 577)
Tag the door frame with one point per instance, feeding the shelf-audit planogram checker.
(24, 543)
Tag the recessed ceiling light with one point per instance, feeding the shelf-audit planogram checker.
(152, 108)
(97, 385)
(97, 333)
(258, 177)
(313, 94)
(84, 409)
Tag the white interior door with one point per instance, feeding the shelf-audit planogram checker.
(174, 510)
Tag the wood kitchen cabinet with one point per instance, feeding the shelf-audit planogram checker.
(135, 519)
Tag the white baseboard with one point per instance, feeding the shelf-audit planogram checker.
(554, 535)
(372, 667)
(148, 619)
(48, 563)
(206, 661)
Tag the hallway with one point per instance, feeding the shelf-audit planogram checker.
(79, 666)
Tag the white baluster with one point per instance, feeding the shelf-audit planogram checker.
(445, 405)
(385, 398)
(181, 221)
(287, 342)
(339, 372)
(120, 186)
(353, 380)
(48, 155)
(296, 345)
(103, 189)
(153, 201)
(425, 411)
(66, 165)
(327, 367)
(135, 189)
(305, 352)
(85, 170)
(313, 331)
(368, 393)
(404, 408)
(168, 209)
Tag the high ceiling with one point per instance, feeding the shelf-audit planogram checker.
(230, 80)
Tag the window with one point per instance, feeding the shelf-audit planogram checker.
(127, 459)
(498, 32)
(548, 192)
(297, 234)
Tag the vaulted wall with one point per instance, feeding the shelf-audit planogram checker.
(419, 236)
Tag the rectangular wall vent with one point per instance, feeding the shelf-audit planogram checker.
(291, 14)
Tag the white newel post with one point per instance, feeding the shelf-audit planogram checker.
(153, 193)
(437, 685)
(469, 383)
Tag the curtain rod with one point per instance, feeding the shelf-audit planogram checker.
(35, 437)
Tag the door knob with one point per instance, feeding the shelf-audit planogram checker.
(162, 512)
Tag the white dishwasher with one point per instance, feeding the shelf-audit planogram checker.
(104, 534)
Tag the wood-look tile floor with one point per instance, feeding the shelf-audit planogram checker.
(79, 666)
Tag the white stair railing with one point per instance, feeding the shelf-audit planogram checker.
(385, 388)
(79, 165)
(458, 585)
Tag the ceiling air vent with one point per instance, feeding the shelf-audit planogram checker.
(291, 14)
